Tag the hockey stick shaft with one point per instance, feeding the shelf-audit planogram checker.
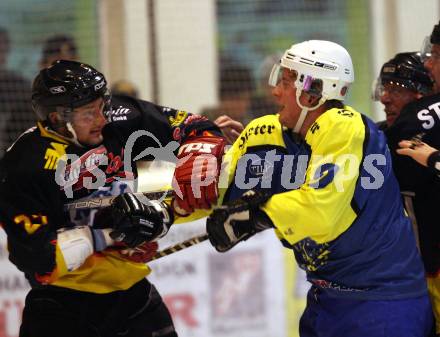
(180, 246)
(107, 201)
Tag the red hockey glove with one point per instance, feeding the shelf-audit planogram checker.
(139, 254)
(197, 173)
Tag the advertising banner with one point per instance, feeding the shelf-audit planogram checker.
(13, 290)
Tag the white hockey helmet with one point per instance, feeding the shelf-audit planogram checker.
(323, 69)
(318, 60)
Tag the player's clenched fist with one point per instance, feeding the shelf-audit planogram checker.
(134, 221)
(238, 220)
(197, 173)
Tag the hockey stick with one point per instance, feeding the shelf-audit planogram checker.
(107, 201)
(180, 246)
(256, 200)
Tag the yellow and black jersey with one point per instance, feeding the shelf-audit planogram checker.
(335, 202)
(33, 191)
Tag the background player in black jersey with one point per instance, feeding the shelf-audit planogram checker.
(84, 283)
(419, 122)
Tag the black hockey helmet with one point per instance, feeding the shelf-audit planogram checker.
(66, 85)
(406, 70)
(435, 35)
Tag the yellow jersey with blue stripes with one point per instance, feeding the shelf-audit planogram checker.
(335, 202)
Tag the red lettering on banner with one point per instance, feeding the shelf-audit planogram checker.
(3, 324)
(182, 306)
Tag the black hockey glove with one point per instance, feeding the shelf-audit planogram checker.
(238, 220)
(134, 222)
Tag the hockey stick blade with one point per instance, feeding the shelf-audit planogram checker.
(107, 201)
(180, 246)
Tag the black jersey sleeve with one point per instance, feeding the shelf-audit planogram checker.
(29, 209)
(152, 125)
(419, 119)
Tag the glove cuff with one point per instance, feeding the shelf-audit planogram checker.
(166, 213)
(261, 220)
(178, 210)
(164, 210)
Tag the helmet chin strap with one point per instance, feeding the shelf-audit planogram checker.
(74, 137)
(69, 127)
(304, 111)
(63, 122)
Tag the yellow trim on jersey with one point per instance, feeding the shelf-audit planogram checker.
(434, 294)
(53, 155)
(263, 131)
(101, 273)
(322, 214)
(95, 274)
(50, 134)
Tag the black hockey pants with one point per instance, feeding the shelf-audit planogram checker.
(136, 312)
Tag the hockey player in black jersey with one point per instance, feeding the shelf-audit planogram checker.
(84, 283)
(402, 79)
(419, 122)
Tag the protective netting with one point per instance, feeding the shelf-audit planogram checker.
(245, 36)
(32, 35)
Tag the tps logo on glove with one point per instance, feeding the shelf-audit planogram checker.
(197, 173)
(196, 147)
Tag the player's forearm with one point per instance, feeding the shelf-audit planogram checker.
(77, 244)
(48, 255)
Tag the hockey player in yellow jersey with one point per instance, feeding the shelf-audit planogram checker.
(319, 173)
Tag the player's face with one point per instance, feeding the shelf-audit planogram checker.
(285, 97)
(394, 98)
(88, 122)
(433, 65)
